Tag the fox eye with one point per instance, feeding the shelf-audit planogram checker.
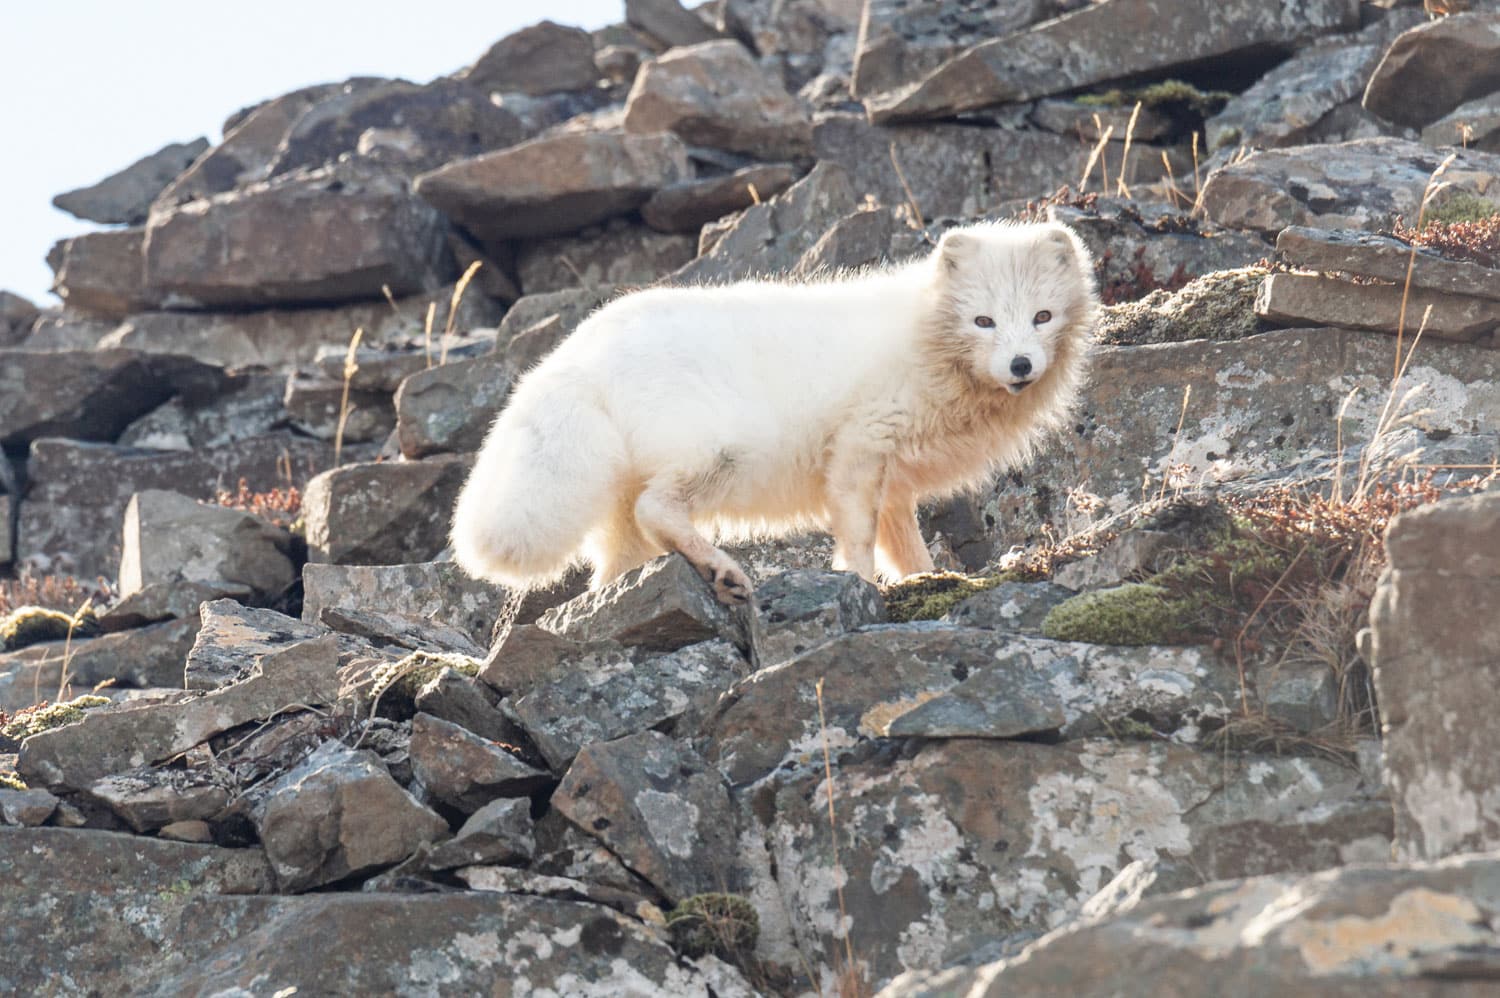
(984, 322)
(1041, 318)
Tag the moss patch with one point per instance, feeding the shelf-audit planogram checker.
(1167, 94)
(725, 925)
(1460, 206)
(1217, 306)
(29, 625)
(929, 597)
(1137, 613)
(44, 716)
(10, 781)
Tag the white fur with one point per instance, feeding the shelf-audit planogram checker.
(763, 408)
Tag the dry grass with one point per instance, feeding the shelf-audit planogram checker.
(53, 592)
(351, 368)
(1476, 240)
(280, 506)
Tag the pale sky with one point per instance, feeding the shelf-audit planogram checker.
(89, 86)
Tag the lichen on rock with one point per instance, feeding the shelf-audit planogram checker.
(928, 597)
(1218, 306)
(724, 925)
(45, 716)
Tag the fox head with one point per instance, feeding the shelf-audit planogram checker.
(1015, 301)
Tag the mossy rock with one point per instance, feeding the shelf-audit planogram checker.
(30, 625)
(1459, 206)
(929, 597)
(1217, 306)
(10, 781)
(1136, 613)
(725, 925)
(1165, 93)
(45, 717)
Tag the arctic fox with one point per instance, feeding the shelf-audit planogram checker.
(764, 408)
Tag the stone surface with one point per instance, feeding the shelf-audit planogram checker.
(667, 22)
(900, 42)
(1361, 184)
(125, 197)
(658, 806)
(861, 239)
(103, 273)
(1311, 300)
(449, 407)
(339, 814)
(386, 513)
(436, 591)
(232, 638)
(149, 799)
(586, 705)
(1474, 124)
(149, 657)
(554, 185)
(89, 394)
(1369, 254)
(16, 316)
(112, 740)
(798, 610)
(26, 808)
(1089, 120)
(1435, 67)
(499, 832)
(714, 94)
(622, 254)
(171, 538)
(1101, 42)
(662, 606)
(1135, 553)
(539, 59)
(1387, 930)
(343, 232)
(106, 863)
(246, 405)
(57, 331)
(464, 771)
(1434, 669)
(1010, 606)
(319, 407)
(470, 703)
(687, 206)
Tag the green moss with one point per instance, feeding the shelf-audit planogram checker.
(404, 678)
(29, 625)
(725, 925)
(1137, 613)
(1165, 92)
(1128, 729)
(10, 781)
(929, 597)
(1460, 206)
(1217, 306)
(47, 716)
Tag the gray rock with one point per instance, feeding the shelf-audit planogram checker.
(148, 799)
(171, 538)
(344, 232)
(192, 830)
(16, 316)
(449, 407)
(26, 808)
(994, 703)
(320, 407)
(667, 22)
(1311, 300)
(1127, 557)
(1474, 124)
(686, 207)
(125, 197)
(622, 254)
(1010, 606)
(1303, 695)
(658, 806)
(233, 638)
(1361, 184)
(165, 601)
(588, 705)
(714, 94)
(469, 703)
(103, 273)
(798, 610)
(531, 656)
(1101, 42)
(662, 606)
(339, 814)
(1435, 67)
(437, 591)
(509, 880)
(1368, 254)
(399, 630)
(147, 657)
(103, 864)
(1216, 306)
(113, 740)
(462, 770)
(1433, 660)
(382, 514)
(499, 832)
(861, 239)
(55, 331)
(1090, 119)
(554, 185)
(246, 405)
(539, 59)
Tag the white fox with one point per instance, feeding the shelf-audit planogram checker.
(765, 408)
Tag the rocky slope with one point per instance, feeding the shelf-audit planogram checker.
(1203, 705)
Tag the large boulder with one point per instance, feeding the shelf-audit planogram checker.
(901, 42)
(103, 273)
(1435, 67)
(169, 537)
(540, 59)
(125, 197)
(386, 513)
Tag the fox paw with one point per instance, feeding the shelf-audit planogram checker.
(731, 585)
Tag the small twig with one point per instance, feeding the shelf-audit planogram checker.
(1098, 150)
(351, 367)
(1120, 186)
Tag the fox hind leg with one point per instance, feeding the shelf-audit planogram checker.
(619, 546)
(664, 514)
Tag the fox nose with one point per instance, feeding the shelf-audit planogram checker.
(1020, 367)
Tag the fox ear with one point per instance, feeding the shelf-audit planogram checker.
(1059, 242)
(955, 247)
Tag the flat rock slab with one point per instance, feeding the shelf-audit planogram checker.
(688, 206)
(459, 769)
(901, 42)
(1312, 300)
(149, 799)
(233, 638)
(171, 538)
(658, 806)
(1434, 669)
(1369, 254)
(149, 657)
(343, 233)
(1362, 184)
(115, 739)
(555, 185)
(620, 252)
(1106, 41)
(103, 273)
(449, 407)
(661, 606)
(26, 808)
(64, 859)
(386, 513)
(797, 611)
(124, 197)
(499, 832)
(1435, 67)
(1010, 606)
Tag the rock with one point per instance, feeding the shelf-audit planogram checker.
(1433, 658)
(588, 705)
(383, 368)
(461, 770)
(901, 43)
(799, 38)
(509, 880)
(75, 502)
(861, 239)
(339, 814)
(658, 806)
(318, 407)
(1367, 254)
(282, 339)
(55, 331)
(1311, 300)
(798, 610)
(994, 703)
(382, 514)
(530, 337)
(714, 94)
(1473, 125)
(149, 799)
(1435, 67)
(970, 839)
(89, 394)
(113, 740)
(345, 232)
(554, 185)
(1133, 554)
(1102, 42)
(171, 538)
(1010, 606)
(1360, 185)
(404, 126)
(247, 405)
(125, 197)
(770, 721)
(1302, 695)
(1390, 930)
(145, 658)
(1089, 120)
(687, 206)
(1217, 306)
(539, 59)
(662, 606)
(16, 316)
(531, 656)
(105, 864)
(767, 239)
(469, 703)
(450, 407)
(667, 22)
(622, 254)
(187, 831)
(436, 591)
(233, 638)
(103, 273)
(499, 832)
(27, 808)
